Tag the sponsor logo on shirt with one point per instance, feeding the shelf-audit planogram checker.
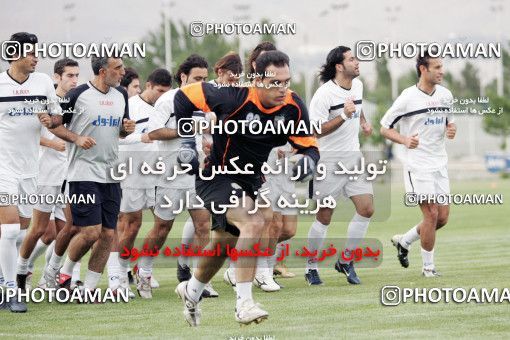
(110, 121)
(435, 121)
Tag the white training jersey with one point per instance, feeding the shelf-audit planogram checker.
(132, 146)
(52, 163)
(20, 128)
(328, 103)
(417, 112)
(164, 117)
(91, 112)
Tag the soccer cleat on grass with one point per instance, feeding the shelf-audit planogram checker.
(313, 278)
(154, 283)
(50, 277)
(124, 284)
(266, 283)
(249, 312)
(183, 273)
(230, 278)
(209, 291)
(348, 270)
(143, 285)
(430, 272)
(192, 312)
(401, 251)
(16, 306)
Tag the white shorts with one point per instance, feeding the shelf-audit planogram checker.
(340, 185)
(427, 183)
(52, 191)
(137, 199)
(19, 186)
(177, 197)
(280, 186)
(58, 213)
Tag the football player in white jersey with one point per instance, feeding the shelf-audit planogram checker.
(27, 99)
(423, 112)
(138, 190)
(192, 70)
(50, 181)
(337, 104)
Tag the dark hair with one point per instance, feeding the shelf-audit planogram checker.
(335, 56)
(160, 76)
(17, 42)
(192, 61)
(231, 62)
(422, 59)
(61, 64)
(276, 58)
(264, 46)
(128, 77)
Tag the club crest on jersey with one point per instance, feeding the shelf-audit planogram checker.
(100, 121)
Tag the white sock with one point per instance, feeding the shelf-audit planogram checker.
(195, 288)
(40, 248)
(114, 270)
(49, 252)
(410, 237)
(68, 267)
(9, 253)
(1, 276)
(428, 258)
(20, 238)
(55, 261)
(76, 273)
(356, 232)
(22, 266)
(316, 236)
(145, 265)
(261, 266)
(231, 265)
(124, 266)
(91, 280)
(243, 290)
(188, 233)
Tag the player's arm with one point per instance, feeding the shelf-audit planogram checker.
(53, 116)
(159, 119)
(68, 109)
(390, 119)
(52, 144)
(319, 111)
(366, 127)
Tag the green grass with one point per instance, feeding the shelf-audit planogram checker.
(471, 251)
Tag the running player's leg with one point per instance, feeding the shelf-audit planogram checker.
(41, 219)
(428, 225)
(202, 226)
(10, 226)
(288, 231)
(155, 238)
(316, 236)
(264, 272)
(355, 233)
(183, 262)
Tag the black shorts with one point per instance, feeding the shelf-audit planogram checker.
(218, 190)
(105, 209)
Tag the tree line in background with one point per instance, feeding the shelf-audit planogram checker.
(212, 47)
